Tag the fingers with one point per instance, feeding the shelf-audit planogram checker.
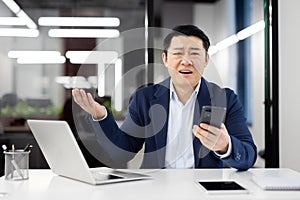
(212, 129)
(83, 99)
(78, 95)
(210, 136)
(75, 94)
(88, 104)
(204, 135)
(90, 99)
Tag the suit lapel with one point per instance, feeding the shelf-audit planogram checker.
(203, 98)
(161, 99)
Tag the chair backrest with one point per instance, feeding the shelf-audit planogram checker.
(9, 99)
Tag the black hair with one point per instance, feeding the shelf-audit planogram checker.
(187, 30)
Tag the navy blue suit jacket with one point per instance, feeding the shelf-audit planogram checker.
(147, 123)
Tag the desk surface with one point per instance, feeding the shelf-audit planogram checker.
(166, 184)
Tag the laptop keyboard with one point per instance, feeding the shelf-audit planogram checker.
(98, 176)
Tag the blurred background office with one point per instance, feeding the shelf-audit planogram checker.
(46, 48)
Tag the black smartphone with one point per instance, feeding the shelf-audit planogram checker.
(222, 187)
(213, 115)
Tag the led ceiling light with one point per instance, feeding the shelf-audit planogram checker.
(93, 80)
(84, 33)
(33, 54)
(243, 34)
(79, 21)
(227, 42)
(12, 5)
(42, 60)
(212, 50)
(77, 82)
(29, 23)
(63, 79)
(19, 32)
(247, 32)
(37, 57)
(12, 21)
(91, 57)
(15, 8)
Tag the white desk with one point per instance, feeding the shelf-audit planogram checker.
(166, 184)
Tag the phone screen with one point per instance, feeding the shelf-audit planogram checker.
(221, 186)
(213, 115)
(111, 176)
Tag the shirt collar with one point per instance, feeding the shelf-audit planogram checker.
(173, 93)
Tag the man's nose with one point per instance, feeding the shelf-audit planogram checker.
(186, 61)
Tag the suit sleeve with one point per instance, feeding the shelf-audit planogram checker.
(244, 151)
(121, 143)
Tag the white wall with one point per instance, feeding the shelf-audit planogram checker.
(289, 83)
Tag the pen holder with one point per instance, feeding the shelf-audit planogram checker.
(16, 165)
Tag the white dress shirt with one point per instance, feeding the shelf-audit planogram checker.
(179, 148)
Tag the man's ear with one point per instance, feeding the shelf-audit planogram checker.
(164, 58)
(206, 59)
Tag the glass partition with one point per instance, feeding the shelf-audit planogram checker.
(50, 47)
(44, 53)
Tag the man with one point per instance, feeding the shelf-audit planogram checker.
(165, 117)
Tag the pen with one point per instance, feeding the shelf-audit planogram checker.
(14, 163)
(4, 147)
(27, 147)
(12, 157)
(13, 150)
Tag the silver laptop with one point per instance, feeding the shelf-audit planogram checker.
(65, 158)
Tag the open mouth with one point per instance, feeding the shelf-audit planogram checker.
(185, 72)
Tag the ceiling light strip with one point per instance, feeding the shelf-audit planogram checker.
(247, 32)
(12, 21)
(27, 19)
(227, 42)
(84, 33)
(79, 21)
(18, 32)
(15, 8)
(92, 57)
(42, 60)
(19, 54)
(241, 35)
(12, 5)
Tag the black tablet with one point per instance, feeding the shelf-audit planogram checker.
(221, 187)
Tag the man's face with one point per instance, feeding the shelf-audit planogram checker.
(185, 60)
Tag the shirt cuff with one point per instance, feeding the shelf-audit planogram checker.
(103, 118)
(227, 154)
